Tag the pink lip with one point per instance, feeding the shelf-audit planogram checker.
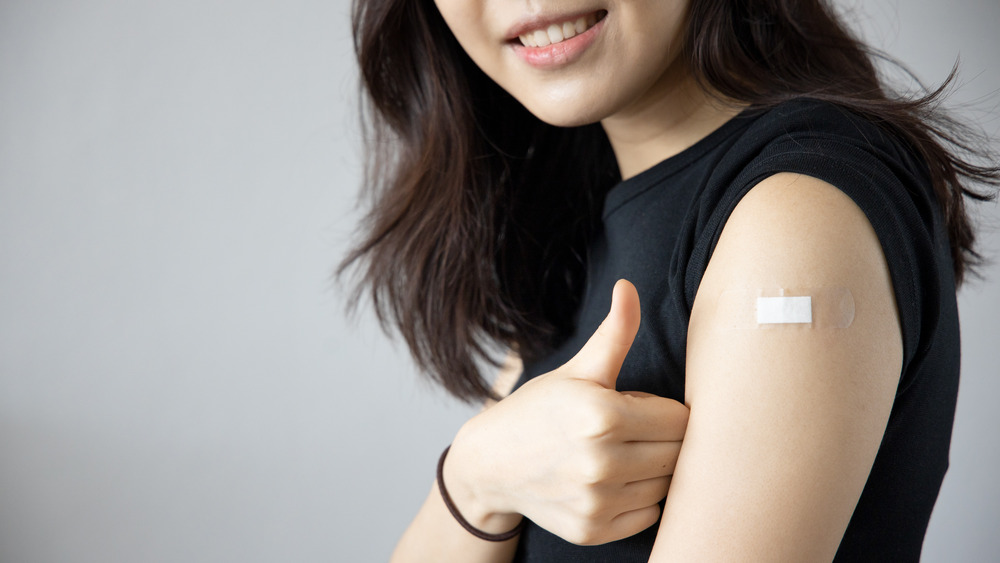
(542, 21)
(557, 54)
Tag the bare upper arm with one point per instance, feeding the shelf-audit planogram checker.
(785, 421)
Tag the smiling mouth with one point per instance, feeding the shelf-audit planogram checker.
(559, 32)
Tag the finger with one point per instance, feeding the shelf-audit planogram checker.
(651, 418)
(632, 522)
(638, 394)
(639, 461)
(639, 494)
(601, 357)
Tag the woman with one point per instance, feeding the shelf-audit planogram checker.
(793, 232)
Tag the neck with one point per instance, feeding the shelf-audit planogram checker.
(673, 115)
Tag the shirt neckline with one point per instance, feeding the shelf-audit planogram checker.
(625, 190)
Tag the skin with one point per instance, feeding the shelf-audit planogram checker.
(650, 108)
(595, 466)
(784, 424)
(645, 32)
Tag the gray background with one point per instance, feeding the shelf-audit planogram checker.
(177, 379)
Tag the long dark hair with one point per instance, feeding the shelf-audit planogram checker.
(479, 213)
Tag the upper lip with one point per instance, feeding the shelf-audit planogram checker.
(542, 21)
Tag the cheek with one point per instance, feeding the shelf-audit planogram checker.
(465, 20)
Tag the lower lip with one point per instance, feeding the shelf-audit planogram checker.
(561, 53)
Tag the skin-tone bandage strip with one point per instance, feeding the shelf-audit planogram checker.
(790, 308)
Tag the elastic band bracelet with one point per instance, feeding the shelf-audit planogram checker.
(458, 516)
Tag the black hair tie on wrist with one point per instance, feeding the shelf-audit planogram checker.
(458, 516)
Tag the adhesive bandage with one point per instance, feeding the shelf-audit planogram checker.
(827, 307)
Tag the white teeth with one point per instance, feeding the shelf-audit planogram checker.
(541, 38)
(557, 33)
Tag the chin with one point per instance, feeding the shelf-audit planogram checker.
(566, 114)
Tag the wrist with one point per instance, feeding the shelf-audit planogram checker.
(471, 483)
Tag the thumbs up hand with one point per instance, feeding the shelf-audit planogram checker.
(567, 450)
(602, 356)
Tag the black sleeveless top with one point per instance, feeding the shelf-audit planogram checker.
(659, 230)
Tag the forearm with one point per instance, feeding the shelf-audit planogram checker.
(434, 535)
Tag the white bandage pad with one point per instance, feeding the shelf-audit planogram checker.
(784, 310)
(825, 307)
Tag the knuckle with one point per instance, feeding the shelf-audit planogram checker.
(589, 507)
(599, 422)
(596, 534)
(586, 534)
(594, 471)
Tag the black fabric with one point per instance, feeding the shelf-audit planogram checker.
(659, 230)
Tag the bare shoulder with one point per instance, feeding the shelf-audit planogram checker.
(792, 227)
(795, 231)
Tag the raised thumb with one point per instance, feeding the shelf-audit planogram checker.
(601, 357)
